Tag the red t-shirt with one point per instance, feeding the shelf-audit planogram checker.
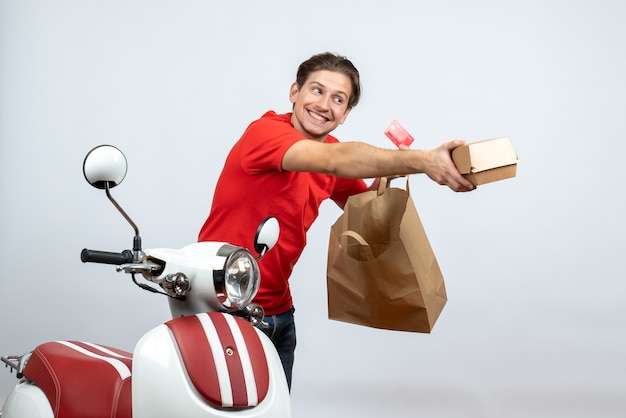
(253, 186)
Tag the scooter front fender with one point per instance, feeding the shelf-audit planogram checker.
(162, 385)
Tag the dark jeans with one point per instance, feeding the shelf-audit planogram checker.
(281, 329)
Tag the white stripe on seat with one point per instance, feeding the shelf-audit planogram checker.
(119, 366)
(106, 350)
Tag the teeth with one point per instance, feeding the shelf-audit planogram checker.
(318, 117)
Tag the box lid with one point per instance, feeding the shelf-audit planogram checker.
(484, 155)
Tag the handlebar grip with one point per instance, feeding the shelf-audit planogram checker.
(106, 257)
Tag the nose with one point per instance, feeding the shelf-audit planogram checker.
(324, 102)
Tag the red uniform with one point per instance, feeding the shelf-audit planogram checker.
(253, 186)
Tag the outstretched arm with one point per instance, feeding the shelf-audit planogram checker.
(361, 160)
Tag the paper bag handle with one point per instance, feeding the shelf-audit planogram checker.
(358, 238)
(385, 182)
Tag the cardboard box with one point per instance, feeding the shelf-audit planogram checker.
(486, 161)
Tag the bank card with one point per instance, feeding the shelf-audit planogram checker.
(398, 134)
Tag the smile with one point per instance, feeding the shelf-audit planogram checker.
(317, 116)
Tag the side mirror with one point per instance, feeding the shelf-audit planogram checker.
(266, 236)
(105, 165)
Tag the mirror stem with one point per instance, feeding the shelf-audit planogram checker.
(137, 239)
(261, 254)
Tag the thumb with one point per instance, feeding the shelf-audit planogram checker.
(455, 144)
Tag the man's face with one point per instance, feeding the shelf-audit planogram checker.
(321, 104)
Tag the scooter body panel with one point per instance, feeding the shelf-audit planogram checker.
(162, 386)
(26, 400)
(198, 267)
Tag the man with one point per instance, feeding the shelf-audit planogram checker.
(286, 165)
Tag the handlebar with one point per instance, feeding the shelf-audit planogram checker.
(106, 257)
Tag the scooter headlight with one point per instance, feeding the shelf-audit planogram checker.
(239, 283)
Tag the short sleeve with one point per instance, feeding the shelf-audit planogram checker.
(265, 143)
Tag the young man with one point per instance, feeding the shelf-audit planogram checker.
(285, 165)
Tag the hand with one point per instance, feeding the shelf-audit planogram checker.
(441, 169)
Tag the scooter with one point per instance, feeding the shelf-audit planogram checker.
(208, 361)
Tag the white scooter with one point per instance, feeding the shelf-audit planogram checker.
(208, 361)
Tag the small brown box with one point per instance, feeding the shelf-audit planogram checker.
(486, 161)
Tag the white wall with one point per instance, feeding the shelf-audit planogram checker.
(535, 322)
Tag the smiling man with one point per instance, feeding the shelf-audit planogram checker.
(285, 165)
(323, 103)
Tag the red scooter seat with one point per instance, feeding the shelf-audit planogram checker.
(82, 379)
(224, 358)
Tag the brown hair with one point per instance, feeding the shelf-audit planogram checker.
(331, 62)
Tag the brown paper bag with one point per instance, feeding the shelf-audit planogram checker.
(381, 270)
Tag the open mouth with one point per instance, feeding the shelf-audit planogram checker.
(317, 116)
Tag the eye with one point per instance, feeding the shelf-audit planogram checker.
(317, 90)
(338, 99)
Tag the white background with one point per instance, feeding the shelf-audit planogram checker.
(535, 322)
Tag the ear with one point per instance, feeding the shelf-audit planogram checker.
(293, 93)
(345, 116)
